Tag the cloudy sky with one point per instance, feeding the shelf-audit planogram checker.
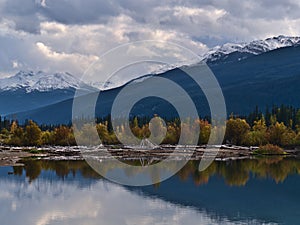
(69, 35)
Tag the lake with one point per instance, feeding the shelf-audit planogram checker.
(248, 191)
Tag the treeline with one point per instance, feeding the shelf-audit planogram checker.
(32, 135)
(239, 132)
(288, 115)
(278, 126)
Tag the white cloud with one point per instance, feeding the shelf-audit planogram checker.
(213, 13)
(46, 202)
(71, 34)
(15, 64)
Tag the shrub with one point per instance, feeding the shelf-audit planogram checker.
(269, 149)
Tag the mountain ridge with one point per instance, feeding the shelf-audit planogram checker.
(267, 78)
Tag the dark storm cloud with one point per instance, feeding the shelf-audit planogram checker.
(23, 13)
(57, 34)
(27, 14)
(79, 11)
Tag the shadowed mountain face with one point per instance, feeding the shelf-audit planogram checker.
(260, 80)
(19, 100)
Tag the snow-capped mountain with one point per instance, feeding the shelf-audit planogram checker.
(226, 53)
(253, 48)
(237, 52)
(265, 79)
(40, 81)
(28, 90)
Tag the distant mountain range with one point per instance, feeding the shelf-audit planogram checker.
(259, 73)
(40, 81)
(29, 90)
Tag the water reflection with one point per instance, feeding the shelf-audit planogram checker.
(234, 173)
(48, 200)
(238, 172)
(234, 192)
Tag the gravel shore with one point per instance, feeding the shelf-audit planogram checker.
(10, 156)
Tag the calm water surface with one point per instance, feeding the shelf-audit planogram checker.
(257, 191)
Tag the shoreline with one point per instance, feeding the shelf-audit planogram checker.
(10, 156)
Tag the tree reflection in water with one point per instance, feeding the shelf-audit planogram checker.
(234, 173)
